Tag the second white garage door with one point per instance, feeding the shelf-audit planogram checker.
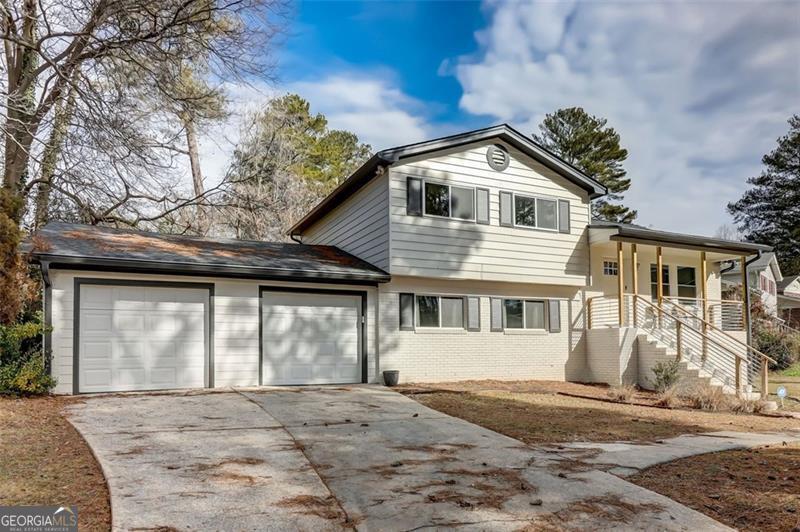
(310, 338)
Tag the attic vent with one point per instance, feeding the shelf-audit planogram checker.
(497, 157)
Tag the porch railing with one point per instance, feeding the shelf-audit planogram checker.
(704, 343)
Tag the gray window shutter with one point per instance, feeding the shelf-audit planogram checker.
(563, 216)
(414, 196)
(406, 312)
(506, 209)
(554, 315)
(482, 207)
(473, 308)
(497, 314)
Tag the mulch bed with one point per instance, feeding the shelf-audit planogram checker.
(754, 489)
(46, 462)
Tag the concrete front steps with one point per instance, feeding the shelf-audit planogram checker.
(654, 348)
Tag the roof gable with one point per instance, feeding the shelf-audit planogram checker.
(503, 132)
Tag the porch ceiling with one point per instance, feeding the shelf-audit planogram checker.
(715, 248)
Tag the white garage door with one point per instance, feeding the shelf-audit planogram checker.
(310, 338)
(142, 338)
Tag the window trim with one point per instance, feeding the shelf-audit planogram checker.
(417, 326)
(449, 200)
(545, 322)
(536, 198)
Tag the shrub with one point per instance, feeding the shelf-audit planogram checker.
(622, 394)
(668, 398)
(21, 363)
(708, 398)
(746, 406)
(666, 375)
(783, 347)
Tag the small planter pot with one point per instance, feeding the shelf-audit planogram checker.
(391, 377)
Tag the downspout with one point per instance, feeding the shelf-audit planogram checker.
(294, 237)
(746, 295)
(47, 304)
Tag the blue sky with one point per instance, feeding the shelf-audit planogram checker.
(698, 91)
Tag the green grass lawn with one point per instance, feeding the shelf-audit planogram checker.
(791, 371)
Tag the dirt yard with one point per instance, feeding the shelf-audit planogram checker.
(540, 412)
(755, 489)
(45, 461)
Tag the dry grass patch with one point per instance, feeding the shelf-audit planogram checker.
(46, 461)
(541, 412)
(753, 489)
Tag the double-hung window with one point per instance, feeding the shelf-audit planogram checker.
(654, 281)
(449, 201)
(541, 213)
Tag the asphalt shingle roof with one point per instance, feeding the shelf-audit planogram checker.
(74, 244)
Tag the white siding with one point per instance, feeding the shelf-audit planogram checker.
(446, 355)
(359, 226)
(236, 338)
(436, 247)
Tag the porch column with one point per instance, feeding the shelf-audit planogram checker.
(704, 296)
(659, 282)
(620, 285)
(635, 281)
(745, 298)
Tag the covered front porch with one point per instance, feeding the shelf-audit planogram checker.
(667, 287)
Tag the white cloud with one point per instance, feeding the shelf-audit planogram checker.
(698, 91)
(371, 107)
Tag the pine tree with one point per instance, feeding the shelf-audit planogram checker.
(585, 142)
(769, 212)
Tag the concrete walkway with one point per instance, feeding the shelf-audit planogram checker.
(353, 457)
(624, 459)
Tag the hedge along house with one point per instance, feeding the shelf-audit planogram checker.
(467, 257)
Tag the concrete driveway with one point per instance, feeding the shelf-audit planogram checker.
(343, 457)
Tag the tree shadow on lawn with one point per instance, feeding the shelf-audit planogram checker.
(542, 419)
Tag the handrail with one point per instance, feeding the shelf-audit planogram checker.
(745, 344)
(678, 320)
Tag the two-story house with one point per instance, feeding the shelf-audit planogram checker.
(467, 257)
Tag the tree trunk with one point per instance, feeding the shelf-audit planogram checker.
(61, 121)
(194, 157)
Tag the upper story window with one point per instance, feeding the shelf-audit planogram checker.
(449, 201)
(530, 211)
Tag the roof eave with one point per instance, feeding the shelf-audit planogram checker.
(211, 270)
(688, 241)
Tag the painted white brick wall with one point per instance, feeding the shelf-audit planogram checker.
(446, 355)
(612, 356)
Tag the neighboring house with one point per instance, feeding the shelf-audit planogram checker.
(467, 257)
(764, 275)
(789, 300)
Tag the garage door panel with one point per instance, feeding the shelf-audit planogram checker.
(129, 321)
(96, 350)
(142, 348)
(97, 297)
(96, 322)
(97, 378)
(310, 338)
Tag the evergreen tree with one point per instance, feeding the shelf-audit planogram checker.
(585, 142)
(769, 212)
